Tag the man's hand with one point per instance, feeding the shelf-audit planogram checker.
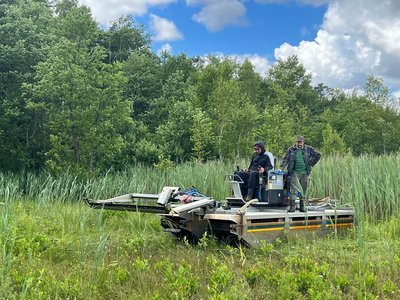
(261, 170)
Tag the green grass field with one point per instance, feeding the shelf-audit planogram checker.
(55, 247)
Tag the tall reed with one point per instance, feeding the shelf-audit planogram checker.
(8, 189)
(370, 183)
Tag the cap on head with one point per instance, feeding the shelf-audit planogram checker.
(299, 138)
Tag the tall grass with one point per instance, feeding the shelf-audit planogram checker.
(68, 251)
(54, 247)
(8, 190)
(47, 188)
(369, 183)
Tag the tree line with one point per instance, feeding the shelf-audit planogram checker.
(76, 96)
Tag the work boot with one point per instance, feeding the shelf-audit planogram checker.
(292, 207)
(250, 193)
(302, 208)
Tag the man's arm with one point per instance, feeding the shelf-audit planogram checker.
(285, 160)
(315, 156)
(267, 164)
(251, 163)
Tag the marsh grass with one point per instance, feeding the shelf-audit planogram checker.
(55, 247)
(370, 183)
(70, 251)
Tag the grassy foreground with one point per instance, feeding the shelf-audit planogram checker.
(54, 247)
(68, 251)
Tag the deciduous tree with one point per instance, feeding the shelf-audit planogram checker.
(85, 111)
(26, 32)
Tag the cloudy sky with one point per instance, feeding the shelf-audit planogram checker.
(341, 42)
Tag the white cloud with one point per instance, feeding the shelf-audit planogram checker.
(165, 48)
(196, 2)
(164, 29)
(259, 62)
(309, 2)
(216, 15)
(358, 38)
(109, 10)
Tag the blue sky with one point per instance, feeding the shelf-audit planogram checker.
(265, 28)
(340, 42)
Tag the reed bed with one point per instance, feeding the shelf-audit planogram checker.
(54, 247)
(369, 183)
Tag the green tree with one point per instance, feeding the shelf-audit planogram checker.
(143, 149)
(290, 76)
(332, 142)
(180, 63)
(63, 7)
(376, 91)
(75, 23)
(382, 123)
(235, 119)
(124, 37)
(82, 98)
(174, 90)
(364, 126)
(348, 120)
(143, 71)
(277, 129)
(26, 31)
(174, 136)
(4, 5)
(209, 76)
(203, 136)
(250, 84)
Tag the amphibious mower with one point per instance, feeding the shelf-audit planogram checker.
(190, 214)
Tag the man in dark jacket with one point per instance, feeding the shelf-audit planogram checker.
(299, 159)
(260, 165)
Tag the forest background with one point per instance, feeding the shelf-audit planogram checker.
(92, 111)
(76, 96)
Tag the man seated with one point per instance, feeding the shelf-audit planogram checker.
(259, 166)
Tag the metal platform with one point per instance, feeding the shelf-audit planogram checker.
(249, 223)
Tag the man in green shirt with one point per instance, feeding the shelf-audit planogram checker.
(299, 159)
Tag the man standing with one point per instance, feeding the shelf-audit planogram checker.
(299, 159)
(260, 165)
